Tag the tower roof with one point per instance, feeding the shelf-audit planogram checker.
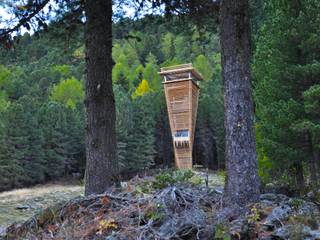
(180, 71)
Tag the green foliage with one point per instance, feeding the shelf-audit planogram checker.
(210, 121)
(182, 48)
(153, 213)
(68, 92)
(286, 71)
(63, 140)
(203, 66)
(221, 233)
(22, 144)
(63, 70)
(150, 73)
(312, 100)
(123, 124)
(167, 45)
(41, 140)
(141, 139)
(4, 77)
(265, 165)
(170, 177)
(254, 215)
(135, 77)
(295, 203)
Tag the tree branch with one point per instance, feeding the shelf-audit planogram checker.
(5, 32)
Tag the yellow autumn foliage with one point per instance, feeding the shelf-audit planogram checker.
(142, 89)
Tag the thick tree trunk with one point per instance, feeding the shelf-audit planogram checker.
(102, 165)
(242, 183)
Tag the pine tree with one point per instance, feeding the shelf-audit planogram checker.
(141, 139)
(124, 124)
(52, 118)
(242, 182)
(286, 66)
(150, 73)
(32, 160)
(10, 171)
(22, 143)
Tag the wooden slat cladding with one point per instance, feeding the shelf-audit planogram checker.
(182, 103)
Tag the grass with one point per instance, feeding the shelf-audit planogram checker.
(33, 200)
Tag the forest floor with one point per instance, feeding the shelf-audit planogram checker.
(171, 205)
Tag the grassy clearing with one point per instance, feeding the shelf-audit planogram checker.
(21, 204)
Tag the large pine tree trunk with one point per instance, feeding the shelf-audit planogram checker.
(242, 183)
(102, 166)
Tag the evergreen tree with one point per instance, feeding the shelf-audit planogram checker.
(10, 171)
(124, 124)
(150, 73)
(52, 118)
(141, 139)
(286, 66)
(22, 143)
(31, 159)
(168, 46)
(242, 183)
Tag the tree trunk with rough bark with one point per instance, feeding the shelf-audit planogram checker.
(102, 166)
(242, 182)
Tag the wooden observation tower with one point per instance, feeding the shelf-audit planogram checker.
(182, 94)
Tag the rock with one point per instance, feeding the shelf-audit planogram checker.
(268, 197)
(282, 197)
(2, 231)
(226, 214)
(293, 232)
(267, 204)
(279, 214)
(315, 235)
(218, 190)
(311, 195)
(239, 226)
(267, 227)
(22, 207)
(124, 184)
(38, 199)
(308, 208)
(272, 197)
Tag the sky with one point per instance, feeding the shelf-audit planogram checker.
(6, 16)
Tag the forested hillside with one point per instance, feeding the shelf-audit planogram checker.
(42, 95)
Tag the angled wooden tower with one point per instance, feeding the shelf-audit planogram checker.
(182, 93)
